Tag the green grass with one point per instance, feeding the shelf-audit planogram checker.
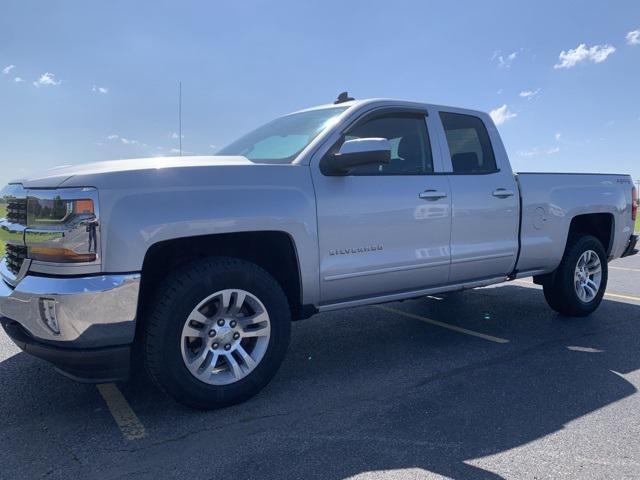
(638, 224)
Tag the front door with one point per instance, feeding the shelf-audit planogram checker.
(384, 229)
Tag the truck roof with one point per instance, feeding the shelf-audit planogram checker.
(393, 102)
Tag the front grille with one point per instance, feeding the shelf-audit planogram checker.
(17, 210)
(15, 256)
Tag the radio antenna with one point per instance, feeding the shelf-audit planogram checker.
(180, 115)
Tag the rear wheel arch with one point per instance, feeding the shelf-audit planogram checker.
(561, 287)
(600, 225)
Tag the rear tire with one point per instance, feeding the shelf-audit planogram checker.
(578, 284)
(231, 293)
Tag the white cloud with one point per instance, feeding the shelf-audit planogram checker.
(529, 94)
(7, 69)
(18, 80)
(174, 135)
(633, 37)
(537, 152)
(502, 114)
(213, 146)
(504, 61)
(528, 153)
(98, 89)
(582, 53)
(47, 79)
(176, 151)
(125, 141)
(557, 136)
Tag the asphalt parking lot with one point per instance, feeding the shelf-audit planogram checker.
(482, 384)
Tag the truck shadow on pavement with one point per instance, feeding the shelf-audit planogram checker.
(361, 391)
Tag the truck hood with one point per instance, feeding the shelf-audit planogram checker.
(56, 177)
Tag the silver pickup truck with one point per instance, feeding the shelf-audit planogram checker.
(203, 262)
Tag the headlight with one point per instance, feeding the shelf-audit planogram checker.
(62, 226)
(57, 211)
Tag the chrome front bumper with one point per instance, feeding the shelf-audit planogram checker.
(91, 312)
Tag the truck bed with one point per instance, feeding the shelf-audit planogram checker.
(551, 201)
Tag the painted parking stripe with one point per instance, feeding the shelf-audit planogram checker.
(626, 269)
(437, 323)
(606, 294)
(126, 419)
(625, 297)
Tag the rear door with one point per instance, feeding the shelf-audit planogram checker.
(485, 203)
(384, 229)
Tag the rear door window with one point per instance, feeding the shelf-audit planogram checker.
(469, 144)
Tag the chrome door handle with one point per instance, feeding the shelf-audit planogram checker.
(503, 193)
(432, 195)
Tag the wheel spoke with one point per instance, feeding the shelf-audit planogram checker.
(207, 373)
(191, 331)
(253, 319)
(234, 366)
(197, 362)
(256, 332)
(199, 317)
(246, 358)
(225, 301)
(238, 301)
(592, 288)
(594, 269)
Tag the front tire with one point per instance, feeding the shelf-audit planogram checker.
(217, 332)
(577, 286)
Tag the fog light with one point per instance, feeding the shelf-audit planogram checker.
(48, 314)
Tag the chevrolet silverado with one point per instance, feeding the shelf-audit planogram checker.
(201, 262)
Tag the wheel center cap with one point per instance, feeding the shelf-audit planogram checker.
(224, 334)
(583, 276)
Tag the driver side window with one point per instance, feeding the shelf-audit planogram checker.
(410, 147)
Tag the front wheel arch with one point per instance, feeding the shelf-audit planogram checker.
(174, 301)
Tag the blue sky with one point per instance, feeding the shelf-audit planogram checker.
(87, 81)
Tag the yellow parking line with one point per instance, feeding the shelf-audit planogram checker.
(625, 269)
(445, 325)
(626, 297)
(127, 420)
(606, 294)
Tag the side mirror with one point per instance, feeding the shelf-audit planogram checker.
(355, 153)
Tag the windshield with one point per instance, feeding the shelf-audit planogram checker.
(282, 139)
